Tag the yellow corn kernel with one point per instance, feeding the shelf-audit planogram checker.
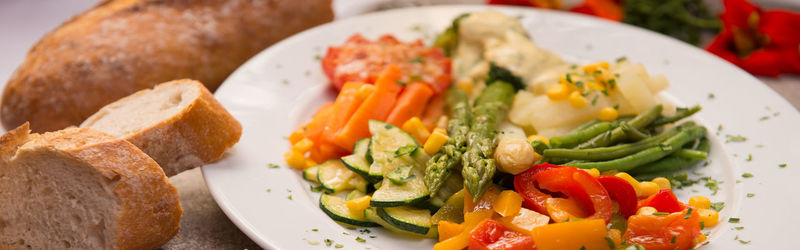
(663, 183)
(303, 145)
(593, 172)
(311, 163)
(646, 211)
(700, 201)
(647, 188)
(295, 159)
(602, 76)
(616, 236)
(563, 80)
(365, 90)
(538, 137)
(631, 180)
(708, 217)
(608, 114)
(358, 205)
(558, 92)
(435, 141)
(590, 68)
(595, 85)
(296, 136)
(576, 100)
(465, 84)
(418, 130)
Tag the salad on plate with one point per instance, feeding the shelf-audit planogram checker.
(486, 141)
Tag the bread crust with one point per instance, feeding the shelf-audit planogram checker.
(122, 46)
(149, 207)
(199, 134)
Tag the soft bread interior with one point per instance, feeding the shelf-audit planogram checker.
(144, 108)
(47, 194)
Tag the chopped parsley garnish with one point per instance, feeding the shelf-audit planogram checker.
(782, 165)
(416, 77)
(328, 242)
(373, 236)
(316, 189)
(733, 220)
(317, 57)
(764, 118)
(583, 248)
(749, 157)
(338, 246)
(289, 197)
(579, 84)
(359, 239)
(620, 59)
(702, 225)
(314, 230)
(711, 96)
(738, 228)
(272, 165)
(402, 83)
(417, 60)
(616, 107)
(688, 214)
(735, 138)
(269, 190)
(660, 213)
(718, 206)
(749, 195)
(405, 150)
(610, 243)
(594, 100)
(569, 78)
(285, 81)
(747, 175)
(673, 239)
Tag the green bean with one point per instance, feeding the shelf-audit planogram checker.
(633, 133)
(673, 162)
(586, 125)
(613, 152)
(648, 155)
(610, 137)
(539, 146)
(579, 136)
(680, 113)
(691, 154)
(672, 175)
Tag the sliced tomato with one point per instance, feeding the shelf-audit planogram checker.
(524, 183)
(492, 235)
(622, 192)
(663, 201)
(664, 232)
(362, 60)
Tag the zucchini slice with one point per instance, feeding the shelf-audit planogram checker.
(407, 218)
(336, 208)
(354, 194)
(389, 194)
(453, 209)
(335, 177)
(371, 214)
(358, 162)
(310, 174)
(386, 141)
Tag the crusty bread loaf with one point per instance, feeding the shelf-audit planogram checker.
(178, 123)
(82, 189)
(122, 46)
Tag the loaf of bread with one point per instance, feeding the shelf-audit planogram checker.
(122, 46)
(178, 123)
(82, 189)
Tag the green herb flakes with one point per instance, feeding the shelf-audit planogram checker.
(733, 220)
(688, 213)
(660, 213)
(272, 165)
(718, 206)
(402, 83)
(782, 165)
(735, 138)
(610, 243)
(702, 225)
(747, 175)
(311, 242)
(328, 242)
(359, 239)
(673, 239)
(738, 228)
(417, 60)
(749, 157)
(750, 195)
(314, 230)
(711, 96)
(764, 118)
(338, 246)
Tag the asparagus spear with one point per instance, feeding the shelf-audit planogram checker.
(442, 163)
(477, 162)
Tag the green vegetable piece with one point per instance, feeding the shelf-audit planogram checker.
(441, 165)
(401, 175)
(639, 122)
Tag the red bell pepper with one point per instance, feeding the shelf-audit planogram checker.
(491, 235)
(622, 192)
(525, 185)
(758, 41)
(664, 232)
(574, 183)
(663, 201)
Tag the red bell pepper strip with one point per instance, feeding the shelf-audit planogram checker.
(664, 232)
(491, 235)
(580, 186)
(663, 201)
(622, 192)
(525, 185)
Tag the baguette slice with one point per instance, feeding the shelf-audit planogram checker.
(178, 123)
(82, 189)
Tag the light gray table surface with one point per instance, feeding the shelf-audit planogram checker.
(204, 225)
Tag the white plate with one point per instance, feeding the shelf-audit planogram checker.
(278, 89)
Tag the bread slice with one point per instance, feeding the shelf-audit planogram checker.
(178, 123)
(82, 189)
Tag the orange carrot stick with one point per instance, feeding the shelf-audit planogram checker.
(433, 112)
(376, 107)
(346, 104)
(314, 128)
(410, 103)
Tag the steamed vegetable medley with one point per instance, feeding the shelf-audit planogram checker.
(501, 145)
